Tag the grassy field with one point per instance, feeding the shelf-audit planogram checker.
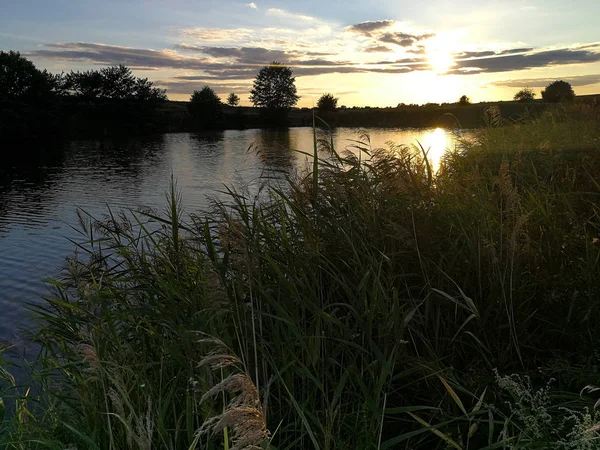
(368, 303)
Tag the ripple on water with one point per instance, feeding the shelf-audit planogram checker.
(38, 203)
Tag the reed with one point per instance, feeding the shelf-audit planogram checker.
(366, 303)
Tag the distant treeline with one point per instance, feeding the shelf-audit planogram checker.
(38, 105)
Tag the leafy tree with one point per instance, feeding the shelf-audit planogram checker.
(558, 91)
(28, 99)
(112, 83)
(464, 100)
(20, 79)
(88, 85)
(206, 108)
(274, 88)
(233, 99)
(327, 102)
(524, 95)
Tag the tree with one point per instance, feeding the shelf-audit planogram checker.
(28, 99)
(20, 79)
(524, 95)
(464, 100)
(274, 88)
(327, 102)
(206, 108)
(112, 83)
(558, 91)
(233, 99)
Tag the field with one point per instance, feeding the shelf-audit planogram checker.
(368, 303)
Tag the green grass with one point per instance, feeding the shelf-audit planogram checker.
(368, 303)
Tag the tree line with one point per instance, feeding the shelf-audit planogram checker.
(37, 102)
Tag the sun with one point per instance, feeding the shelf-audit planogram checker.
(440, 60)
(440, 53)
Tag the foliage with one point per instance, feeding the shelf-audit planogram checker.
(28, 98)
(327, 102)
(524, 95)
(233, 99)
(367, 303)
(112, 83)
(205, 107)
(20, 79)
(558, 91)
(274, 88)
(464, 100)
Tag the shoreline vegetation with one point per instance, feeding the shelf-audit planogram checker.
(366, 303)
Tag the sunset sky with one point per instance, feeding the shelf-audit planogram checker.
(376, 53)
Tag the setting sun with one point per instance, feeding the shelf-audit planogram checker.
(440, 60)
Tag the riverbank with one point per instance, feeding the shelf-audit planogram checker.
(175, 118)
(368, 303)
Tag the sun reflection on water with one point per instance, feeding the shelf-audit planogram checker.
(436, 143)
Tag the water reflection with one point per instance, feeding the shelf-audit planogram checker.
(275, 148)
(436, 143)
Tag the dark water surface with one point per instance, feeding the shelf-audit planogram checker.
(39, 199)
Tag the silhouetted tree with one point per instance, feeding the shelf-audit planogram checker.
(558, 91)
(274, 88)
(327, 102)
(205, 107)
(233, 99)
(524, 95)
(28, 98)
(464, 100)
(112, 83)
(20, 79)
(88, 85)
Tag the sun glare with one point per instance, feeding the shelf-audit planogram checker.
(440, 60)
(440, 54)
(436, 142)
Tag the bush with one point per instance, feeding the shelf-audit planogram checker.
(327, 102)
(524, 95)
(558, 91)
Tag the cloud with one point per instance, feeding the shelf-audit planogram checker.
(580, 80)
(404, 39)
(112, 55)
(487, 53)
(377, 49)
(222, 65)
(188, 86)
(506, 62)
(218, 34)
(252, 5)
(368, 28)
(289, 15)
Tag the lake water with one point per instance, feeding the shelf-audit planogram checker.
(38, 202)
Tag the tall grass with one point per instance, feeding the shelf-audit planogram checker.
(367, 303)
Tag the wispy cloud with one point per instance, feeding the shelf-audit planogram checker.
(404, 39)
(581, 80)
(218, 34)
(240, 63)
(377, 49)
(370, 27)
(252, 5)
(504, 62)
(289, 15)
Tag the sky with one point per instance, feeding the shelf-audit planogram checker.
(367, 53)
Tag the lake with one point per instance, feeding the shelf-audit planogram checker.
(38, 201)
